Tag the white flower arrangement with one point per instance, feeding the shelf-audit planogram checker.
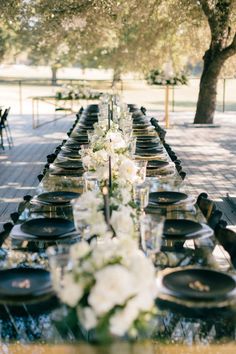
(107, 289)
(88, 210)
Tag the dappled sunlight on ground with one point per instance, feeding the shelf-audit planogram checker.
(20, 165)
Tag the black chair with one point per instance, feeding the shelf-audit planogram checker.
(206, 205)
(208, 208)
(4, 127)
(5, 232)
(227, 238)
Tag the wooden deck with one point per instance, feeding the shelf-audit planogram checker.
(20, 165)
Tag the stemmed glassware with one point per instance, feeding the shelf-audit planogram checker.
(151, 230)
(141, 170)
(141, 196)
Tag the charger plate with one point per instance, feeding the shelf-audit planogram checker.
(22, 284)
(58, 197)
(199, 284)
(166, 198)
(47, 227)
(179, 228)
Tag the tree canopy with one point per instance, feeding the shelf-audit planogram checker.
(127, 35)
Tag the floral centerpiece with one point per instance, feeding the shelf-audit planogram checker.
(105, 286)
(77, 92)
(159, 77)
(104, 144)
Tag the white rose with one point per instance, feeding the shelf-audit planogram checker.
(121, 322)
(122, 222)
(128, 170)
(79, 250)
(117, 141)
(71, 292)
(87, 162)
(87, 317)
(145, 280)
(114, 285)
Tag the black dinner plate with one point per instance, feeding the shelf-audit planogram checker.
(150, 151)
(60, 197)
(165, 198)
(199, 284)
(48, 227)
(81, 139)
(142, 125)
(80, 136)
(148, 144)
(73, 146)
(18, 284)
(71, 173)
(155, 164)
(92, 108)
(69, 153)
(147, 138)
(175, 228)
(69, 165)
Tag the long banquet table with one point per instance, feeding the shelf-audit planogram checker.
(178, 327)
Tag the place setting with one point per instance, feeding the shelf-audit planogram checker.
(67, 167)
(54, 199)
(169, 200)
(69, 153)
(160, 168)
(44, 229)
(185, 229)
(195, 290)
(24, 285)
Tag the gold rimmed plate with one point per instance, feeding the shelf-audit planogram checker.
(47, 227)
(22, 284)
(57, 197)
(167, 197)
(199, 284)
(181, 228)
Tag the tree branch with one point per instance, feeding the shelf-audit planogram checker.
(230, 50)
(208, 11)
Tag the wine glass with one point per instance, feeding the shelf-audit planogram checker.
(151, 230)
(141, 195)
(141, 170)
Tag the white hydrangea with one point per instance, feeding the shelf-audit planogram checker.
(71, 290)
(122, 222)
(114, 285)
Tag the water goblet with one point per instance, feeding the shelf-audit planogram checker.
(141, 170)
(132, 145)
(80, 216)
(59, 262)
(141, 196)
(91, 182)
(151, 230)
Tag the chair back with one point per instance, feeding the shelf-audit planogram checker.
(4, 116)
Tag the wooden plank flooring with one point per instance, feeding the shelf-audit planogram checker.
(20, 166)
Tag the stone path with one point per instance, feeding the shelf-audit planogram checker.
(20, 166)
(208, 156)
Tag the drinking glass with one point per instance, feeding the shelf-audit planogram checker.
(59, 262)
(91, 182)
(132, 145)
(90, 135)
(151, 230)
(79, 214)
(141, 195)
(141, 170)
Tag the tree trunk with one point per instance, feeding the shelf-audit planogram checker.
(54, 75)
(207, 96)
